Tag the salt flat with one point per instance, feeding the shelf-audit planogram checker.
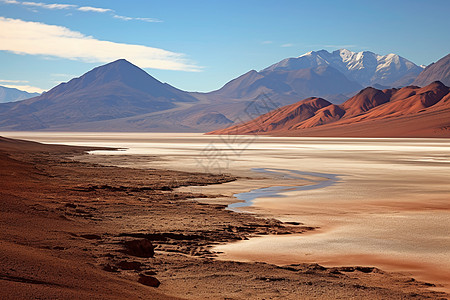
(388, 207)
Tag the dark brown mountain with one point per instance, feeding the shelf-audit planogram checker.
(115, 90)
(438, 71)
(407, 112)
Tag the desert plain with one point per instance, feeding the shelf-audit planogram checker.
(227, 217)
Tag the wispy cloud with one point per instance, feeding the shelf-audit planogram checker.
(149, 20)
(47, 6)
(266, 42)
(94, 9)
(60, 6)
(34, 38)
(287, 45)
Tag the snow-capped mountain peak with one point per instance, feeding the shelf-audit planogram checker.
(345, 54)
(365, 67)
(306, 54)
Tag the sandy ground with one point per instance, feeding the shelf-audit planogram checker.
(82, 230)
(389, 207)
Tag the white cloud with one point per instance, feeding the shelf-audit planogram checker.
(26, 88)
(79, 8)
(20, 85)
(287, 45)
(124, 18)
(33, 38)
(94, 9)
(266, 42)
(45, 5)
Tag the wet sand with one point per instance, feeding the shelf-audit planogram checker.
(388, 209)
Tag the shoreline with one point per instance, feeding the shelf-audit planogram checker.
(237, 205)
(314, 180)
(322, 180)
(97, 209)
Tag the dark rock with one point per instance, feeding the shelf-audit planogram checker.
(149, 280)
(129, 265)
(59, 248)
(294, 223)
(365, 269)
(428, 284)
(109, 268)
(91, 236)
(139, 248)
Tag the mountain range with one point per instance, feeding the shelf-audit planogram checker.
(365, 68)
(120, 96)
(410, 111)
(12, 94)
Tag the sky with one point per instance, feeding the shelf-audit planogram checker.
(200, 45)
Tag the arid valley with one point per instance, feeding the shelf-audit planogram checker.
(224, 150)
(365, 202)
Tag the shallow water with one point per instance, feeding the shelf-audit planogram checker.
(320, 180)
(386, 204)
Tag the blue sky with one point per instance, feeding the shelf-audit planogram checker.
(201, 45)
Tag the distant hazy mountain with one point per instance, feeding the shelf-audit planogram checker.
(12, 94)
(407, 112)
(365, 68)
(119, 96)
(116, 90)
(285, 86)
(439, 70)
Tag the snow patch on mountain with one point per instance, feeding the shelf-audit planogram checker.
(366, 68)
